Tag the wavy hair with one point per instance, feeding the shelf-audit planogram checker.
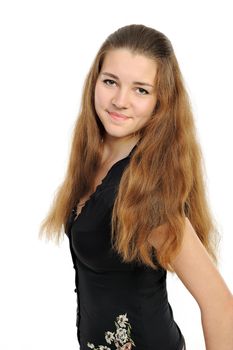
(164, 181)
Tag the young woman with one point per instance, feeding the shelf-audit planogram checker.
(133, 203)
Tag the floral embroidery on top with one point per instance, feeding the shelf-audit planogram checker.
(121, 337)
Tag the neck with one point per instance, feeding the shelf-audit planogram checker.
(115, 149)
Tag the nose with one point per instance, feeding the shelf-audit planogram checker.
(121, 99)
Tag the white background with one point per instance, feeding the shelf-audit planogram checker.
(47, 47)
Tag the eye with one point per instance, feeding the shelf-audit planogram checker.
(110, 82)
(144, 91)
(106, 81)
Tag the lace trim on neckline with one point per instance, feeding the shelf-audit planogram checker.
(97, 190)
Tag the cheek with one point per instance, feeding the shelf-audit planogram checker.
(102, 94)
(100, 97)
(145, 109)
(144, 112)
(96, 95)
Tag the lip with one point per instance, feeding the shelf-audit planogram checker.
(118, 116)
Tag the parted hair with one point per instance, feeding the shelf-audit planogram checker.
(164, 181)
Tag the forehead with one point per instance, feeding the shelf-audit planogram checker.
(126, 64)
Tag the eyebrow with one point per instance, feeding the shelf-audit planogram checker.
(135, 82)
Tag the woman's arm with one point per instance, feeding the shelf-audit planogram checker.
(201, 277)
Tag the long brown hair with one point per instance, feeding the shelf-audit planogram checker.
(164, 181)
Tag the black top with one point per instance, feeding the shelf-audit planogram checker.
(119, 305)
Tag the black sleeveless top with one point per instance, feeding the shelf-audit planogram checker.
(119, 305)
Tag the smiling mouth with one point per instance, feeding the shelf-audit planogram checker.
(117, 116)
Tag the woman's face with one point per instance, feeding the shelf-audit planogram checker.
(125, 85)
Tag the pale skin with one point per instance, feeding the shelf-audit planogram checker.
(202, 279)
(192, 264)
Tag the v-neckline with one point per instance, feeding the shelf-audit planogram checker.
(74, 210)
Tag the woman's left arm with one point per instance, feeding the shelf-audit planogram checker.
(201, 277)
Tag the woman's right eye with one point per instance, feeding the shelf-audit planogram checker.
(106, 81)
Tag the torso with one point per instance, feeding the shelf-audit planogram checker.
(100, 175)
(106, 165)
